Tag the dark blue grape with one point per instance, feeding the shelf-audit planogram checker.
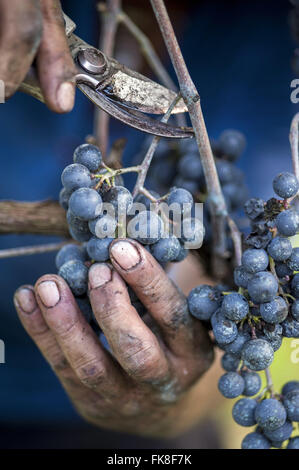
(147, 227)
(280, 249)
(255, 260)
(287, 223)
(88, 155)
(295, 310)
(290, 328)
(254, 208)
(78, 228)
(64, 197)
(226, 171)
(76, 176)
(75, 274)
(282, 270)
(203, 301)
(231, 385)
(255, 440)
(225, 331)
(285, 185)
(190, 167)
(262, 287)
(270, 414)
(289, 387)
(189, 185)
(166, 249)
(85, 203)
(253, 383)
(281, 434)
(120, 198)
(192, 231)
(142, 199)
(275, 311)
(68, 253)
(236, 193)
(243, 412)
(259, 241)
(291, 404)
(98, 248)
(235, 307)
(295, 286)
(293, 261)
(241, 277)
(232, 143)
(103, 226)
(293, 443)
(183, 253)
(236, 346)
(273, 334)
(181, 197)
(229, 362)
(257, 354)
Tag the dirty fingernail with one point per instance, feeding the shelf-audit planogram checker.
(66, 96)
(25, 300)
(48, 293)
(125, 254)
(99, 274)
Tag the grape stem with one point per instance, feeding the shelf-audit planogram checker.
(33, 250)
(294, 138)
(192, 100)
(269, 381)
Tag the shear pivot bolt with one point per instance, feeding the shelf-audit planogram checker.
(92, 60)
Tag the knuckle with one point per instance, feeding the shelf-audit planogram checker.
(30, 32)
(91, 373)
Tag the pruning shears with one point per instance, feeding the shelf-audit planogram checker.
(121, 92)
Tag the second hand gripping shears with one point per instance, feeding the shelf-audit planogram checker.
(121, 92)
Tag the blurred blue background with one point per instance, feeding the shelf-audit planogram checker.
(239, 57)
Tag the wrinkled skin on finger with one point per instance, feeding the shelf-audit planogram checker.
(34, 29)
(145, 383)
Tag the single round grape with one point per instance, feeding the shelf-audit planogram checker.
(229, 362)
(203, 301)
(290, 328)
(255, 440)
(291, 403)
(253, 383)
(98, 248)
(289, 387)
(275, 311)
(262, 287)
(103, 226)
(255, 260)
(192, 230)
(183, 253)
(225, 330)
(241, 277)
(120, 198)
(231, 385)
(280, 249)
(68, 253)
(85, 203)
(293, 443)
(270, 414)
(293, 261)
(75, 274)
(232, 143)
(88, 155)
(235, 307)
(78, 228)
(273, 334)
(190, 167)
(282, 270)
(243, 412)
(285, 185)
(142, 199)
(280, 434)
(76, 176)
(146, 227)
(257, 354)
(166, 249)
(254, 208)
(236, 346)
(295, 309)
(181, 197)
(287, 223)
(295, 286)
(64, 197)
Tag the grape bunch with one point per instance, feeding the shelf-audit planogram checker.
(100, 208)
(249, 324)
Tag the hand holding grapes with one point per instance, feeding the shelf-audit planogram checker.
(34, 30)
(143, 385)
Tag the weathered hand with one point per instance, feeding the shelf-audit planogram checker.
(30, 30)
(143, 387)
